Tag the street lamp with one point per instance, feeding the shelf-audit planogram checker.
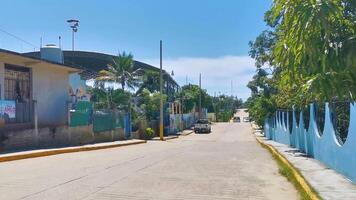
(74, 24)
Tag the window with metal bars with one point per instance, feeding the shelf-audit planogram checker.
(17, 84)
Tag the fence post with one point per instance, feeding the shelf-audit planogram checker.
(69, 106)
(113, 127)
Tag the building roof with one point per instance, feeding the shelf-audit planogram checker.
(93, 62)
(32, 60)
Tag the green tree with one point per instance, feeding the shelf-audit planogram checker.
(150, 104)
(310, 50)
(150, 81)
(120, 97)
(316, 47)
(263, 85)
(108, 97)
(190, 95)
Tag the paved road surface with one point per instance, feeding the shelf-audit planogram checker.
(226, 164)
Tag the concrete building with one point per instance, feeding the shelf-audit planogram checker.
(35, 99)
(33, 89)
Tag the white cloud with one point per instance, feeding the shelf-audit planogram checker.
(217, 73)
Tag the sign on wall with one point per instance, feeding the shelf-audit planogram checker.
(7, 109)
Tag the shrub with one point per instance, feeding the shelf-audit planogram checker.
(150, 133)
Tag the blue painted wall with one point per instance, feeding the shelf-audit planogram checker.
(325, 146)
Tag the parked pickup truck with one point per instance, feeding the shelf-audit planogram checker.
(202, 125)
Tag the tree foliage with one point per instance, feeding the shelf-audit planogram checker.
(150, 81)
(190, 95)
(316, 47)
(225, 106)
(309, 49)
(109, 97)
(150, 104)
(121, 71)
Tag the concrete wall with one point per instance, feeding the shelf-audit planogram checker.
(56, 137)
(175, 124)
(76, 82)
(212, 117)
(189, 119)
(50, 87)
(325, 146)
(2, 79)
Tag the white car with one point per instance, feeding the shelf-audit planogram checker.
(202, 125)
(246, 119)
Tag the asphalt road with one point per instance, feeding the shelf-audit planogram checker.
(226, 164)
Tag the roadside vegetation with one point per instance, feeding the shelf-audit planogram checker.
(291, 173)
(223, 106)
(307, 54)
(139, 95)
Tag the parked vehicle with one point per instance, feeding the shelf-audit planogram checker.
(236, 119)
(202, 125)
(246, 119)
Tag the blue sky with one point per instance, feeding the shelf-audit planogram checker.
(208, 36)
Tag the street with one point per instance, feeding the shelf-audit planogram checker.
(226, 164)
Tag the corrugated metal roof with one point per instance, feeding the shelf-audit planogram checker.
(93, 62)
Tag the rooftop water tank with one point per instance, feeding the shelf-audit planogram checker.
(52, 53)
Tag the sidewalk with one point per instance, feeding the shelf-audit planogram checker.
(169, 137)
(329, 184)
(53, 151)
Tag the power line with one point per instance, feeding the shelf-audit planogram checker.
(18, 38)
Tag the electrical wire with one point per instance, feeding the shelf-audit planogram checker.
(18, 38)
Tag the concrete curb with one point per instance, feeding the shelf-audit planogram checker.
(187, 133)
(171, 137)
(165, 138)
(64, 150)
(298, 176)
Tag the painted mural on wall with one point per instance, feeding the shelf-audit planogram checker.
(189, 119)
(317, 133)
(175, 122)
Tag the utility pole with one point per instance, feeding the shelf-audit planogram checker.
(200, 93)
(161, 93)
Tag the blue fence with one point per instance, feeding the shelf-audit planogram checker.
(323, 144)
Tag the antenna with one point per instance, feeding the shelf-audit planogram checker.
(41, 42)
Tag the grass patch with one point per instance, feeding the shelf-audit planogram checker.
(287, 172)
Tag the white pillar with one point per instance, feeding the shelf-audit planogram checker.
(36, 121)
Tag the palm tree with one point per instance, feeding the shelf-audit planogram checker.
(121, 71)
(150, 81)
